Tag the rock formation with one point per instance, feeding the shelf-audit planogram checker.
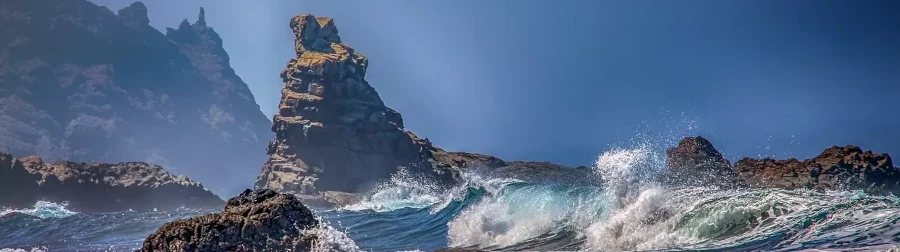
(82, 83)
(696, 162)
(98, 187)
(261, 220)
(847, 167)
(540, 172)
(332, 131)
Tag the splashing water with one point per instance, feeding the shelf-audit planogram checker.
(43, 209)
(402, 190)
(628, 212)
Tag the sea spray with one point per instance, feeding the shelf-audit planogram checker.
(403, 190)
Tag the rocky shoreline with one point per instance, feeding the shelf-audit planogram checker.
(696, 161)
(98, 187)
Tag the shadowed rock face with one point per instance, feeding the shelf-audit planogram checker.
(332, 130)
(847, 167)
(696, 162)
(260, 220)
(98, 187)
(83, 83)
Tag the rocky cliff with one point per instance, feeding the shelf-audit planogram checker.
(260, 220)
(98, 187)
(80, 82)
(332, 131)
(695, 160)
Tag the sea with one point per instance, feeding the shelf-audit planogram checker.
(624, 211)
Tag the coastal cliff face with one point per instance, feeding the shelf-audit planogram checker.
(98, 187)
(837, 168)
(332, 131)
(80, 82)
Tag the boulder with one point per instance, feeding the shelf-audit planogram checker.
(260, 220)
(696, 162)
(847, 167)
(98, 187)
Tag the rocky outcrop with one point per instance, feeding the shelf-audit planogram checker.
(98, 187)
(457, 163)
(696, 162)
(332, 131)
(847, 167)
(260, 220)
(83, 83)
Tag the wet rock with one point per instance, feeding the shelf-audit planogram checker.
(261, 220)
(696, 162)
(98, 187)
(847, 167)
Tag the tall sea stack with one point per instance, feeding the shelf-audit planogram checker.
(333, 131)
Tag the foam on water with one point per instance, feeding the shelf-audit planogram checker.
(42, 209)
(632, 212)
(402, 190)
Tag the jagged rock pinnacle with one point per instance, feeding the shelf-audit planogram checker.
(314, 34)
(201, 20)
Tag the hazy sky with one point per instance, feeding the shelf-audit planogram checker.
(562, 80)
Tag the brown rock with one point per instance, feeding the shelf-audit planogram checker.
(846, 167)
(333, 132)
(98, 187)
(695, 161)
(260, 220)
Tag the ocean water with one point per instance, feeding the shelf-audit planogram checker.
(626, 212)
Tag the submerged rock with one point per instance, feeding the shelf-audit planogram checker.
(98, 187)
(696, 162)
(261, 220)
(847, 167)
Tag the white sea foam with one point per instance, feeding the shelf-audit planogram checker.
(329, 239)
(43, 209)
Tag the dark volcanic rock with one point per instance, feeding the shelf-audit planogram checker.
(332, 131)
(98, 187)
(846, 167)
(80, 82)
(696, 162)
(260, 220)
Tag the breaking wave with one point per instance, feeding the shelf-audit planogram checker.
(628, 212)
(42, 209)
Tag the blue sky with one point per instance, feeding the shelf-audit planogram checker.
(564, 80)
